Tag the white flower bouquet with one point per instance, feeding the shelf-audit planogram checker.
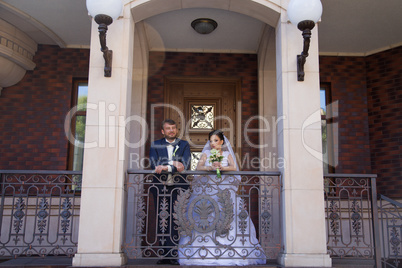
(216, 157)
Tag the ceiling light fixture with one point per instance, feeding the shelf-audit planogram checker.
(104, 12)
(304, 14)
(204, 25)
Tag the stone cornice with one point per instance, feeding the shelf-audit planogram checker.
(16, 54)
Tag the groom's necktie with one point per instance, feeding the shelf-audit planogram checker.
(170, 149)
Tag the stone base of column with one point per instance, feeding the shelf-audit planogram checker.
(305, 260)
(99, 259)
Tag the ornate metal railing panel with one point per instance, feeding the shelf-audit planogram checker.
(351, 216)
(214, 217)
(39, 212)
(390, 216)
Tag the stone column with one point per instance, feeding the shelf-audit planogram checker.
(299, 134)
(267, 101)
(102, 202)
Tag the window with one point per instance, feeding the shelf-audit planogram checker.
(77, 133)
(326, 129)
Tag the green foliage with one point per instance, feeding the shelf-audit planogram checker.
(80, 120)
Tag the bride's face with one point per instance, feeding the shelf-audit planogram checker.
(215, 142)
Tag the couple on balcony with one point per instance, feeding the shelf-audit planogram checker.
(214, 226)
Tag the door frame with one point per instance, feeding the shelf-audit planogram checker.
(237, 105)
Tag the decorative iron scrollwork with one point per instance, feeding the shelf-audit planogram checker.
(356, 217)
(243, 214)
(42, 216)
(212, 217)
(39, 208)
(266, 216)
(65, 215)
(395, 241)
(334, 217)
(141, 215)
(180, 215)
(19, 214)
(204, 214)
(164, 215)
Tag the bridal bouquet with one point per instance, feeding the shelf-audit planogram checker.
(216, 157)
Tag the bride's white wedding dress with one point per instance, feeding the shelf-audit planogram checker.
(215, 226)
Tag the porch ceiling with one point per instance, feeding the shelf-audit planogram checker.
(347, 27)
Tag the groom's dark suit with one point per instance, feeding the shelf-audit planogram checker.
(158, 155)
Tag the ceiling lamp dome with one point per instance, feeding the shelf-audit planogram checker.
(204, 26)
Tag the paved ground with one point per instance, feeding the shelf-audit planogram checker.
(64, 262)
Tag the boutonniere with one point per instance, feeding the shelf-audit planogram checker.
(175, 150)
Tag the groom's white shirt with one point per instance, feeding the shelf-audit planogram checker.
(170, 154)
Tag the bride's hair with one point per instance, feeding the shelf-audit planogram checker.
(218, 133)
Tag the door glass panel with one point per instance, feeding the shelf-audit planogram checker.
(195, 157)
(202, 116)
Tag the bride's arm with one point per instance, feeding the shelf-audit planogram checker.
(231, 165)
(201, 163)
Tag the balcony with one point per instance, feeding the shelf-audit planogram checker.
(40, 212)
(251, 199)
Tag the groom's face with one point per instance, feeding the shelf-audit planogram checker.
(169, 131)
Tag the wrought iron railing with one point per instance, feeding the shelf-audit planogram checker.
(39, 212)
(208, 210)
(352, 217)
(390, 216)
(360, 224)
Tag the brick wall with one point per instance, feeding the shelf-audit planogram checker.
(369, 92)
(384, 87)
(347, 79)
(32, 112)
(208, 65)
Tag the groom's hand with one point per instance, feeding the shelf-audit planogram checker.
(179, 166)
(160, 168)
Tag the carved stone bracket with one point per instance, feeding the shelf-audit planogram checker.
(16, 54)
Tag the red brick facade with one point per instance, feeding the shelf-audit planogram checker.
(347, 79)
(32, 112)
(369, 94)
(384, 87)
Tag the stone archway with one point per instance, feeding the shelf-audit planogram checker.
(265, 11)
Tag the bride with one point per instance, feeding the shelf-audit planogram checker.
(214, 225)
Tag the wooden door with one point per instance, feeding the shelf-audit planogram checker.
(199, 105)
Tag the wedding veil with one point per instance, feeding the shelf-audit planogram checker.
(225, 147)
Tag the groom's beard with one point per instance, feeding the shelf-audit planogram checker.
(171, 137)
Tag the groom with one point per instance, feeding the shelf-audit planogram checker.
(168, 156)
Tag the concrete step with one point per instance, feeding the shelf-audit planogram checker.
(65, 262)
(353, 263)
